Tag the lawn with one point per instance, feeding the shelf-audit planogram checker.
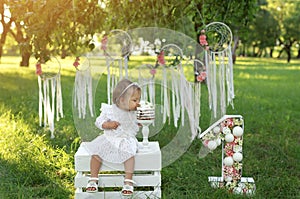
(267, 95)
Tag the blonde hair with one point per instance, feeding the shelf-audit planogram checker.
(122, 89)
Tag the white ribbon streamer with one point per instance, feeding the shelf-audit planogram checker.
(83, 96)
(50, 100)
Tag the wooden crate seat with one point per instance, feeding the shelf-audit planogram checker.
(111, 177)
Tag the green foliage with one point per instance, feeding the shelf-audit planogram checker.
(55, 27)
(34, 166)
(268, 31)
(276, 24)
(46, 28)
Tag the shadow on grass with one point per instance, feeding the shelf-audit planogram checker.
(31, 164)
(28, 181)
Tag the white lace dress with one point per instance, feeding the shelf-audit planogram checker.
(117, 145)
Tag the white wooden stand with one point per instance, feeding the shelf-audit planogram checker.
(145, 132)
(111, 177)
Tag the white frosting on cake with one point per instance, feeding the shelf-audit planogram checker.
(146, 111)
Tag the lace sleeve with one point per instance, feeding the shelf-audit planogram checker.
(104, 115)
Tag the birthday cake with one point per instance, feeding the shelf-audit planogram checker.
(146, 111)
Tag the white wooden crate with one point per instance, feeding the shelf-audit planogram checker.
(111, 178)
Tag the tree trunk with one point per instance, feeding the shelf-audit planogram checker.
(63, 53)
(298, 56)
(25, 48)
(243, 53)
(271, 52)
(25, 59)
(288, 51)
(2, 44)
(235, 45)
(5, 29)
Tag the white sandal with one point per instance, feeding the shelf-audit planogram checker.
(127, 187)
(92, 184)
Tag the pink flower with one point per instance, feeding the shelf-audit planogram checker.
(232, 172)
(201, 77)
(205, 143)
(76, 62)
(161, 58)
(228, 122)
(153, 71)
(202, 40)
(228, 170)
(104, 43)
(229, 153)
(38, 70)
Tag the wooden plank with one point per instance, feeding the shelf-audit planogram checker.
(117, 180)
(117, 194)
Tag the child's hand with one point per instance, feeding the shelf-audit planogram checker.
(110, 125)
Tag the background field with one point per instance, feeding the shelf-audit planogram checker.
(267, 95)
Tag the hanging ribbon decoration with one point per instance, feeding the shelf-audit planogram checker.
(83, 95)
(117, 47)
(50, 94)
(218, 61)
(178, 95)
(147, 83)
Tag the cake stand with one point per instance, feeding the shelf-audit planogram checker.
(145, 132)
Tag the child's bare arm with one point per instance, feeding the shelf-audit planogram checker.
(110, 125)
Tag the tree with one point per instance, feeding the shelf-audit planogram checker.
(236, 14)
(45, 28)
(16, 14)
(264, 31)
(292, 28)
(68, 27)
(286, 13)
(188, 16)
(49, 28)
(5, 24)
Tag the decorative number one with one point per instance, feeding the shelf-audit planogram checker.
(228, 132)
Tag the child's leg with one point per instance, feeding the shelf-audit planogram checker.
(95, 165)
(129, 168)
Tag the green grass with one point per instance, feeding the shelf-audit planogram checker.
(267, 95)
